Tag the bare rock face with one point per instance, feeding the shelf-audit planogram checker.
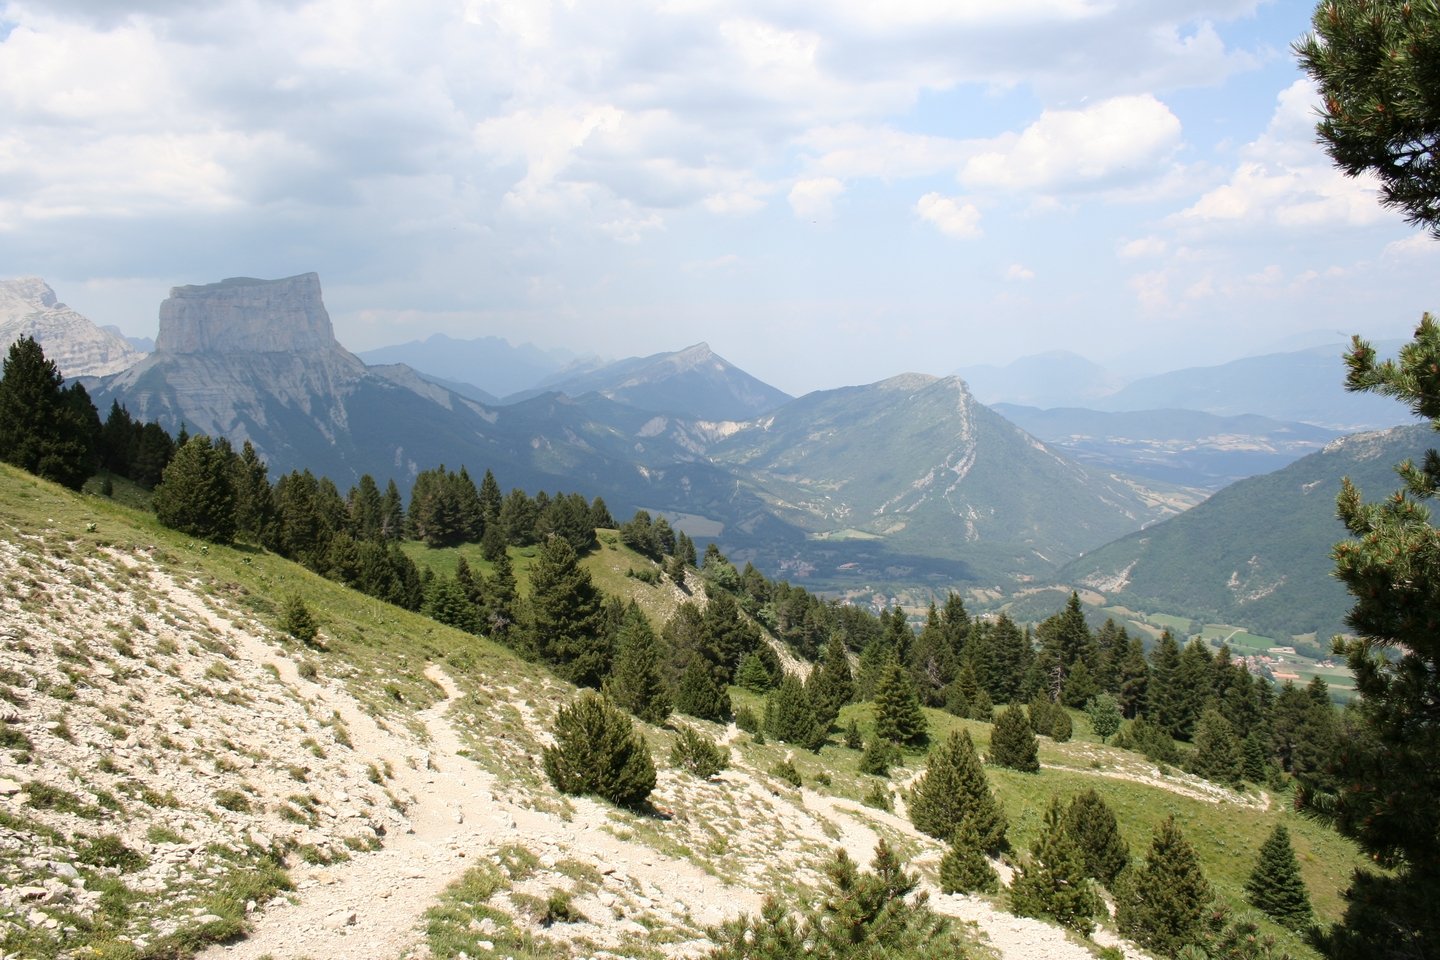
(29, 308)
(244, 315)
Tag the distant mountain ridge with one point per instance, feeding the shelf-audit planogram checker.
(1258, 552)
(911, 474)
(491, 364)
(1303, 385)
(694, 382)
(1187, 447)
(29, 308)
(1056, 378)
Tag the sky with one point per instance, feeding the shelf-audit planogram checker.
(828, 192)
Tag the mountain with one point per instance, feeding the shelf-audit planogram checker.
(917, 461)
(1056, 378)
(142, 344)
(1258, 552)
(490, 364)
(1185, 447)
(28, 307)
(909, 480)
(1303, 385)
(694, 382)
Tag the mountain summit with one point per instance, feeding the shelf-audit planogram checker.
(694, 382)
(29, 308)
(244, 315)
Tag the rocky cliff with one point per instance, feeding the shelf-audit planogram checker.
(244, 315)
(29, 308)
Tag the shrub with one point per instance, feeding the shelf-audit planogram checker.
(696, 753)
(879, 756)
(963, 868)
(297, 621)
(597, 751)
(786, 771)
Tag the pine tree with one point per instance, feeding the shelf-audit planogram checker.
(753, 676)
(964, 867)
(445, 602)
(502, 598)
(700, 696)
(954, 791)
(1104, 713)
(697, 754)
(1162, 905)
(45, 428)
(1052, 882)
(565, 621)
(831, 685)
(634, 682)
(878, 757)
(254, 502)
(898, 716)
(1275, 886)
(297, 621)
(1217, 754)
(788, 716)
(196, 493)
(1092, 825)
(598, 751)
(1013, 743)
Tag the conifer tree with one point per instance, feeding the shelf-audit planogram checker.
(983, 709)
(598, 751)
(878, 757)
(392, 514)
(502, 599)
(831, 685)
(196, 493)
(1104, 713)
(565, 617)
(1013, 743)
(752, 674)
(1163, 904)
(964, 867)
(898, 716)
(700, 696)
(1217, 753)
(1061, 726)
(297, 621)
(254, 502)
(1275, 886)
(46, 428)
(1052, 882)
(788, 716)
(954, 791)
(1010, 659)
(445, 602)
(1092, 825)
(697, 754)
(634, 682)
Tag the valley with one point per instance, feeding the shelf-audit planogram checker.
(377, 791)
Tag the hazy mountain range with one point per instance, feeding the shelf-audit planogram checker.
(907, 481)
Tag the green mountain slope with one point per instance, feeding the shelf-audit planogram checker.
(915, 460)
(1258, 552)
(167, 746)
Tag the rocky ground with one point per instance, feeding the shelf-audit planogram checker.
(164, 754)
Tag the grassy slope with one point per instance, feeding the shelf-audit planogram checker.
(380, 652)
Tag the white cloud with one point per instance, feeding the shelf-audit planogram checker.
(1284, 180)
(1150, 246)
(952, 216)
(1414, 246)
(1121, 140)
(814, 199)
(1018, 271)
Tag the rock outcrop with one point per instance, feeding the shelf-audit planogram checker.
(29, 308)
(244, 315)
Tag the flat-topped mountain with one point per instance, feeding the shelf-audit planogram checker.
(29, 308)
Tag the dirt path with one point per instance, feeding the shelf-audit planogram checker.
(374, 904)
